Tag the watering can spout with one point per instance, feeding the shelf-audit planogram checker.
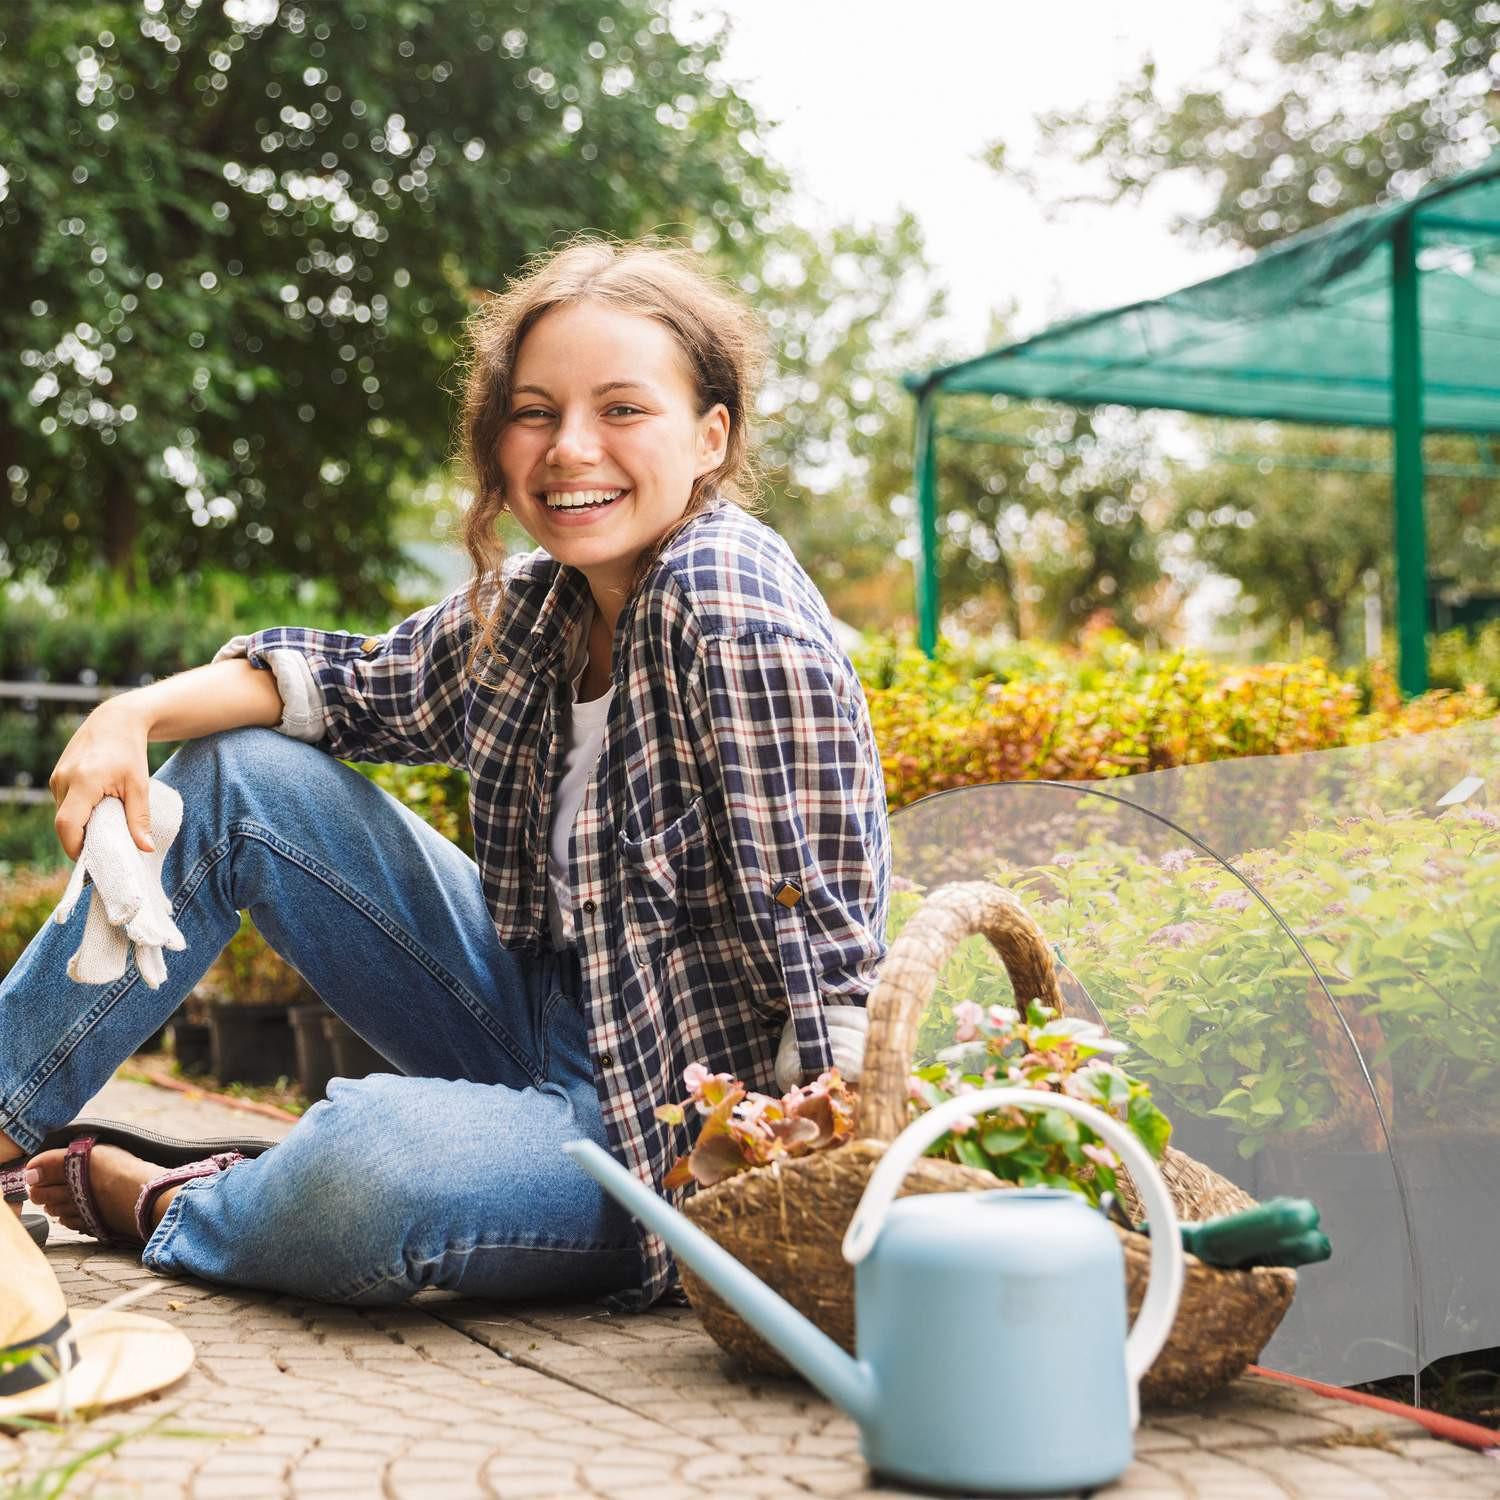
(848, 1383)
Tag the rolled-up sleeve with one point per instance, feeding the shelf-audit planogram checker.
(396, 697)
(797, 797)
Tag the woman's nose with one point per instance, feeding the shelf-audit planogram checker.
(575, 445)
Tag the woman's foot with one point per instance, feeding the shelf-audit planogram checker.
(116, 1177)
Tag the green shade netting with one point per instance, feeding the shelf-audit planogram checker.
(1301, 333)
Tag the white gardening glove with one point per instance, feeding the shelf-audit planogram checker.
(846, 1037)
(128, 904)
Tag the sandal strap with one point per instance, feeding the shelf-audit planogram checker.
(80, 1189)
(210, 1166)
(13, 1187)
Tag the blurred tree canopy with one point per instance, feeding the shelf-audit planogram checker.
(1062, 520)
(237, 240)
(1314, 109)
(848, 310)
(1038, 533)
(1300, 538)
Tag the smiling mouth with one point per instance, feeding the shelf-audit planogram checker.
(581, 499)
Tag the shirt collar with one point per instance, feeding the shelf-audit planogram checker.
(558, 616)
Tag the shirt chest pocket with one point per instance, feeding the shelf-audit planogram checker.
(673, 878)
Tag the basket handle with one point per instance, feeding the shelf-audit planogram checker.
(910, 972)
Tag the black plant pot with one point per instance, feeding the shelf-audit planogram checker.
(314, 1049)
(191, 1045)
(251, 1043)
(353, 1056)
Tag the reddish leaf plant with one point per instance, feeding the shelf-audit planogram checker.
(742, 1129)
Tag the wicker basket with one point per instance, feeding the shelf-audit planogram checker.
(785, 1222)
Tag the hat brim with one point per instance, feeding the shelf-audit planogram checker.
(120, 1356)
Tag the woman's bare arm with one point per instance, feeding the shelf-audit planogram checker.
(107, 755)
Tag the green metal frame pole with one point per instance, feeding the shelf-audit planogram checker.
(1406, 426)
(924, 470)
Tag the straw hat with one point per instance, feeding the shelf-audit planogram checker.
(105, 1355)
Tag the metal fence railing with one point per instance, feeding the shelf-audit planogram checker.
(31, 695)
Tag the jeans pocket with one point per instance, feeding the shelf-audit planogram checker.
(565, 1039)
(673, 878)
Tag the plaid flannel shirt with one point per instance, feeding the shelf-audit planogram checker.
(731, 858)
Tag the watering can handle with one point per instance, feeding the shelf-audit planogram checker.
(1159, 1307)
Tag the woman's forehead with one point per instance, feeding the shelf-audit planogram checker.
(586, 345)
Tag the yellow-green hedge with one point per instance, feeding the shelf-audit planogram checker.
(959, 720)
(1020, 714)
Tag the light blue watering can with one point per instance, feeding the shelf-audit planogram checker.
(990, 1327)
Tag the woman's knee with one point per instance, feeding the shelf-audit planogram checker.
(343, 1172)
(355, 1153)
(248, 751)
(247, 772)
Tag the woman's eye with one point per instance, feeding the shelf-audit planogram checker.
(624, 410)
(529, 413)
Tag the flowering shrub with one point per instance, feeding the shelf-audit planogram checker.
(1399, 912)
(742, 1130)
(995, 1044)
(958, 720)
(27, 899)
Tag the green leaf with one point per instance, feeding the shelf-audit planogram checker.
(1055, 1128)
(1001, 1139)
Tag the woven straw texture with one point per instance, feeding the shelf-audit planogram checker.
(786, 1222)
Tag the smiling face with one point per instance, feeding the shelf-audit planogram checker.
(604, 440)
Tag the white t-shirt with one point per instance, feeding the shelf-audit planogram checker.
(585, 732)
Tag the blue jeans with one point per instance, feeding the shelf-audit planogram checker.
(448, 1177)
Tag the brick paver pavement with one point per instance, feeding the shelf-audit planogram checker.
(450, 1398)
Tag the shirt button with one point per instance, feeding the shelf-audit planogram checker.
(369, 644)
(606, 1060)
(588, 907)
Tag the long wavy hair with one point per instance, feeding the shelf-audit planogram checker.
(722, 338)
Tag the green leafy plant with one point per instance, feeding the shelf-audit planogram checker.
(1046, 1148)
(52, 1481)
(1399, 912)
(997, 1045)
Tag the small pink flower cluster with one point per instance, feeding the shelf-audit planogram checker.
(1040, 1050)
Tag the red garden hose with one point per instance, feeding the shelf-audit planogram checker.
(1451, 1429)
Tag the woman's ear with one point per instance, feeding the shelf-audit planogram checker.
(713, 438)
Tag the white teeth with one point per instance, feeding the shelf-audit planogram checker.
(575, 499)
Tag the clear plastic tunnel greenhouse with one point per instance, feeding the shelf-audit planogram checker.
(1303, 955)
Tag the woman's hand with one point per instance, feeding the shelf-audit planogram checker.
(105, 758)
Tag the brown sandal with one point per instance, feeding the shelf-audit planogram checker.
(80, 1189)
(13, 1189)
